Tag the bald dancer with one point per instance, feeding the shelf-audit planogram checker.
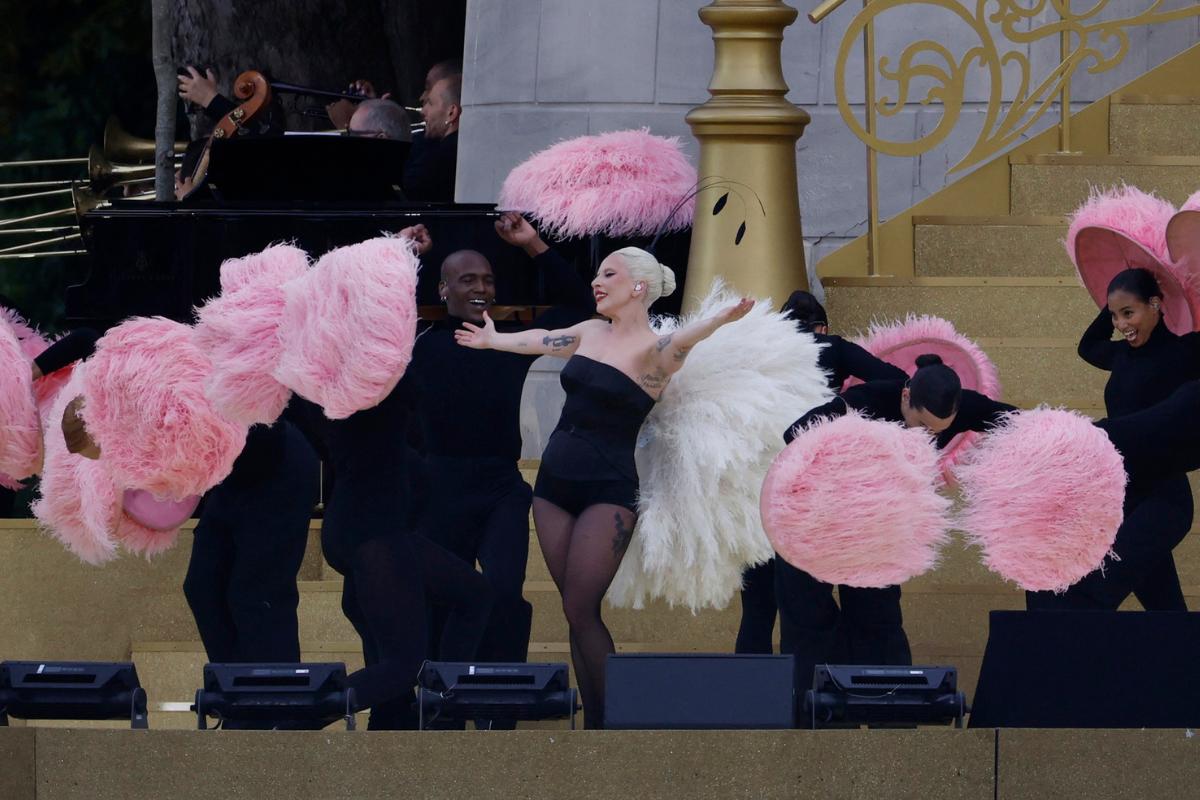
(468, 406)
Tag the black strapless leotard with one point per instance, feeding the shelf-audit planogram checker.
(589, 459)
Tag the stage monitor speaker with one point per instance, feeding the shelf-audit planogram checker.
(285, 696)
(1089, 669)
(72, 690)
(699, 691)
(851, 695)
(451, 691)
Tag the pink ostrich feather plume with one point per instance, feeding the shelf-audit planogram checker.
(855, 501)
(239, 332)
(1043, 496)
(625, 183)
(20, 423)
(34, 344)
(1183, 239)
(349, 325)
(1124, 227)
(900, 343)
(144, 404)
(77, 500)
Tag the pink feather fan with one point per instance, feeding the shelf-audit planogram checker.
(854, 501)
(20, 426)
(144, 405)
(1183, 238)
(624, 183)
(901, 343)
(239, 331)
(1043, 495)
(349, 324)
(1124, 227)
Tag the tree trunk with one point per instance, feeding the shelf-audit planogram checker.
(164, 117)
(324, 44)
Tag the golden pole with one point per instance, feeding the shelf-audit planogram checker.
(747, 132)
(1064, 121)
(872, 156)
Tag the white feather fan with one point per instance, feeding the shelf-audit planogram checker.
(704, 451)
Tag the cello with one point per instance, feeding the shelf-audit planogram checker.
(253, 93)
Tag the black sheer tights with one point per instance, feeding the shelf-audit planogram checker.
(583, 554)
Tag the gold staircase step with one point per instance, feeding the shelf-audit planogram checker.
(1058, 184)
(1155, 126)
(946, 246)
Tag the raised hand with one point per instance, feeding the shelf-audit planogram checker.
(736, 312)
(516, 230)
(479, 338)
(196, 88)
(419, 235)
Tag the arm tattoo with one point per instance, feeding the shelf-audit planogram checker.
(654, 380)
(623, 536)
(663, 343)
(558, 342)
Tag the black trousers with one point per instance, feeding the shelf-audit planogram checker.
(248, 548)
(759, 609)
(478, 509)
(867, 629)
(1157, 517)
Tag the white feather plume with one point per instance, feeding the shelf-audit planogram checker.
(704, 451)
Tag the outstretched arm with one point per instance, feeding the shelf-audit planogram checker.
(674, 347)
(537, 342)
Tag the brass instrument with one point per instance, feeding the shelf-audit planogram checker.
(121, 145)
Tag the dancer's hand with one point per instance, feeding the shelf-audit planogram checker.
(516, 230)
(735, 312)
(480, 338)
(419, 236)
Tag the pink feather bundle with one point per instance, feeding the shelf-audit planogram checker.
(239, 331)
(1124, 227)
(144, 405)
(855, 501)
(20, 426)
(1183, 238)
(349, 325)
(624, 183)
(900, 343)
(1043, 496)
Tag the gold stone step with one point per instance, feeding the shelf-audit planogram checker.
(981, 308)
(950, 246)
(1150, 124)
(1058, 184)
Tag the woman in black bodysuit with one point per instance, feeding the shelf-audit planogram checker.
(841, 360)
(585, 500)
(1146, 366)
(868, 628)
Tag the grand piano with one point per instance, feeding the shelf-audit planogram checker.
(151, 258)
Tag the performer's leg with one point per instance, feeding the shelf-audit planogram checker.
(207, 581)
(598, 543)
(503, 558)
(1159, 589)
(874, 625)
(554, 527)
(450, 582)
(758, 610)
(390, 598)
(807, 609)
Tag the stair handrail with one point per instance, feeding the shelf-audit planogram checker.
(1080, 37)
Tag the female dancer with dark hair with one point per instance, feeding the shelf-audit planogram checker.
(1146, 366)
(840, 359)
(585, 499)
(868, 628)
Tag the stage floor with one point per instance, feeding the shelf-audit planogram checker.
(930, 764)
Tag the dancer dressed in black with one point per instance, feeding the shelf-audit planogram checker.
(869, 626)
(468, 406)
(840, 360)
(248, 548)
(585, 499)
(1147, 365)
(368, 536)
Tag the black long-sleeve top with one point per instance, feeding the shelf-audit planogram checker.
(1141, 376)
(881, 400)
(842, 359)
(430, 169)
(76, 345)
(468, 401)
